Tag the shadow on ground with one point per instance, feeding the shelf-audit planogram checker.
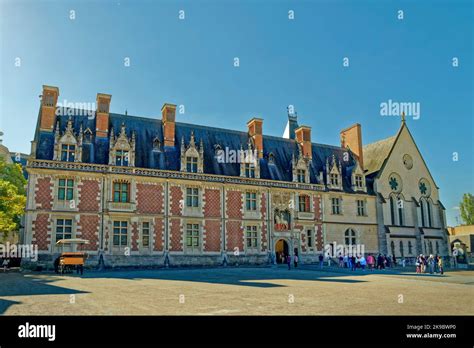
(19, 284)
(255, 277)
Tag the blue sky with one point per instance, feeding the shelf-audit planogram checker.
(282, 62)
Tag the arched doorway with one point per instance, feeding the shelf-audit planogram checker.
(281, 250)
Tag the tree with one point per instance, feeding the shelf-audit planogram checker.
(12, 197)
(467, 208)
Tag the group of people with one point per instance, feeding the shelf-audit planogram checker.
(433, 263)
(287, 259)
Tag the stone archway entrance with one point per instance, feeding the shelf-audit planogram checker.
(281, 248)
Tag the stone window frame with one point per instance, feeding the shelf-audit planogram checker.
(68, 138)
(121, 248)
(334, 169)
(339, 205)
(129, 190)
(364, 207)
(352, 237)
(252, 249)
(192, 211)
(193, 249)
(251, 214)
(310, 229)
(67, 205)
(121, 143)
(308, 204)
(400, 210)
(151, 229)
(251, 199)
(250, 170)
(54, 226)
(192, 151)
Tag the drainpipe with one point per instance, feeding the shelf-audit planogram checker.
(101, 238)
(166, 222)
(223, 228)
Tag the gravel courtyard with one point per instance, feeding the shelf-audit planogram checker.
(237, 291)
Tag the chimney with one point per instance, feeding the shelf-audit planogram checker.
(351, 137)
(303, 138)
(102, 115)
(255, 126)
(49, 100)
(168, 112)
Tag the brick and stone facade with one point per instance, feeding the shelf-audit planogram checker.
(146, 192)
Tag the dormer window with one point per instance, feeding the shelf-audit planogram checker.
(68, 152)
(300, 167)
(358, 181)
(271, 158)
(192, 156)
(249, 169)
(156, 145)
(249, 162)
(300, 175)
(333, 173)
(122, 149)
(121, 158)
(191, 164)
(358, 178)
(68, 146)
(88, 136)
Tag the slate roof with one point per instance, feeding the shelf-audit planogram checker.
(376, 153)
(168, 158)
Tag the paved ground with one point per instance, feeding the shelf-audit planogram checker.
(238, 291)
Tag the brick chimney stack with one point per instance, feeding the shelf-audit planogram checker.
(102, 115)
(303, 138)
(168, 112)
(351, 137)
(49, 99)
(255, 126)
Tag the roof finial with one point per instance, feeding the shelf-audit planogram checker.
(403, 116)
(126, 112)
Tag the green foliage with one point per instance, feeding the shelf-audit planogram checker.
(467, 209)
(13, 174)
(12, 197)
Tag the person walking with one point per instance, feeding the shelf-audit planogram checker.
(321, 261)
(288, 261)
(422, 263)
(440, 265)
(431, 263)
(353, 262)
(363, 262)
(418, 264)
(341, 261)
(5, 264)
(295, 260)
(345, 261)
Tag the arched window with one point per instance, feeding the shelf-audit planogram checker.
(402, 252)
(428, 205)
(392, 210)
(392, 247)
(350, 236)
(422, 210)
(410, 247)
(430, 245)
(400, 210)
